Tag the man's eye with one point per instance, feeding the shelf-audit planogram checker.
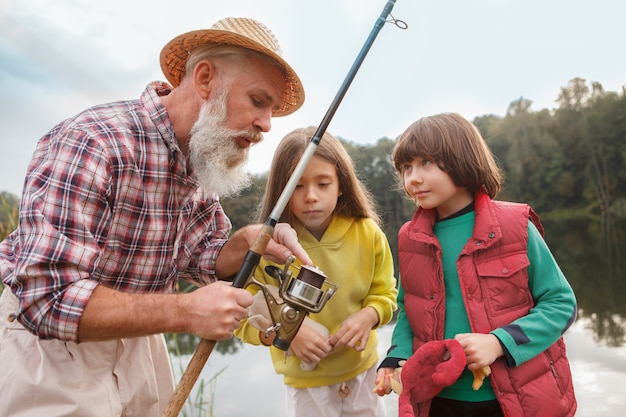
(256, 102)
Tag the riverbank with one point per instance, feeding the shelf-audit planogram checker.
(248, 384)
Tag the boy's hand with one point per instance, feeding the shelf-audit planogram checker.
(480, 349)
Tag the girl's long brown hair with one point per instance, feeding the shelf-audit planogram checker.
(355, 201)
(456, 146)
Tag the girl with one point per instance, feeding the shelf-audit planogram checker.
(477, 270)
(334, 216)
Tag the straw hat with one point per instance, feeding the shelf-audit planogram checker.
(239, 31)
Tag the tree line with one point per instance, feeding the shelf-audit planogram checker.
(566, 162)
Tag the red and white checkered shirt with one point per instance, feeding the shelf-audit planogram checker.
(108, 199)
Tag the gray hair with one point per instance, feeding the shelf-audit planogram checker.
(221, 52)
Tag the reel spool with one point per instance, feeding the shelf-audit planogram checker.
(299, 296)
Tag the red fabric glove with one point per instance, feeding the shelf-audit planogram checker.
(432, 367)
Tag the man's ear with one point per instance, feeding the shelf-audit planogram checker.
(203, 78)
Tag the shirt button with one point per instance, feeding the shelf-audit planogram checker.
(11, 318)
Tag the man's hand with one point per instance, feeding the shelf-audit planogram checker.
(282, 244)
(211, 312)
(215, 311)
(285, 243)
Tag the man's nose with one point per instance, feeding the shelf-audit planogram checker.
(264, 121)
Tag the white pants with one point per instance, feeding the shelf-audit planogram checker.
(53, 378)
(326, 402)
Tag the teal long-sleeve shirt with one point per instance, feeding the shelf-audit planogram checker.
(553, 313)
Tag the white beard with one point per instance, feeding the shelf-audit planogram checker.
(215, 157)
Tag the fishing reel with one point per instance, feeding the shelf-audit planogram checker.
(297, 297)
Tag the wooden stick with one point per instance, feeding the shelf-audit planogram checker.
(205, 347)
(189, 378)
(253, 256)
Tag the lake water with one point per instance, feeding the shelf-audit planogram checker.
(248, 385)
(591, 255)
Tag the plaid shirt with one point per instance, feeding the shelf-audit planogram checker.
(108, 199)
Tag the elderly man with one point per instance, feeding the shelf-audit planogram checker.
(121, 201)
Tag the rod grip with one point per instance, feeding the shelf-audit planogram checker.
(253, 256)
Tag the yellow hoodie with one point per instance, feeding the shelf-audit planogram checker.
(355, 255)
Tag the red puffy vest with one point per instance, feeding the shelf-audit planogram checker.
(493, 263)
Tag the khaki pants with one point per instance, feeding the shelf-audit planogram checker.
(326, 402)
(53, 378)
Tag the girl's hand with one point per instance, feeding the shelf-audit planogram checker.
(355, 330)
(309, 345)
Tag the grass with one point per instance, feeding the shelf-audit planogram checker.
(8, 220)
(201, 400)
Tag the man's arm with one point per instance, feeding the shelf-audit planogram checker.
(211, 312)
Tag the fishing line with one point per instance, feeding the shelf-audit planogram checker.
(252, 258)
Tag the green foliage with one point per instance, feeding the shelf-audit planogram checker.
(568, 159)
(568, 163)
(242, 209)
(563, 161)
(9, 210)
(200, 402)
(9, 207)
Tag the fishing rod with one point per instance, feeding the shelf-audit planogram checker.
(258, 247)
(253, 256)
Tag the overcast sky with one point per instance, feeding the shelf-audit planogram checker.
(58, 57)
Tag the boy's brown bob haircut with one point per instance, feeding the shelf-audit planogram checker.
(456, 146)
